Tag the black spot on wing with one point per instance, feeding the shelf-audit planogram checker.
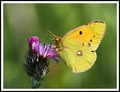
(80, 32)
(92, 51)
(91, 40)
(89, 44)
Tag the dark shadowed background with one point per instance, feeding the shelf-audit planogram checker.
(22, 21)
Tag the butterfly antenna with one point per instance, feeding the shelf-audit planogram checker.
(49, 32)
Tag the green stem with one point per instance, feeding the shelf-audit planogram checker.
(35, 83)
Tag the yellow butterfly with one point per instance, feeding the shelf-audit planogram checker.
(78, 46)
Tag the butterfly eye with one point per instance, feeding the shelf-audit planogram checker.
(56, 38)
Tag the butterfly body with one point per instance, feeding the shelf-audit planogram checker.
(78, 46)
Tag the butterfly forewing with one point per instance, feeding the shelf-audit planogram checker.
(90, 34)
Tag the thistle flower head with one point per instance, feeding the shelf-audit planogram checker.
(46, 51)
(37, 58)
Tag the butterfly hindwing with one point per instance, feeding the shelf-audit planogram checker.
(78, 57)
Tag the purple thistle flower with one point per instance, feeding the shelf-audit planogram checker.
(37, 59)
(46, 51)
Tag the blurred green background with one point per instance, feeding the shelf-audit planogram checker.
(22, 21)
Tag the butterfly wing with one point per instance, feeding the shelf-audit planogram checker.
(89, 34)
(78, 58)
(79, 45)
